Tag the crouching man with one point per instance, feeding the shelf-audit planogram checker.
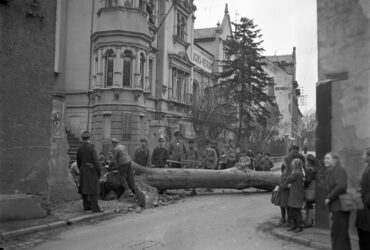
(122, 161)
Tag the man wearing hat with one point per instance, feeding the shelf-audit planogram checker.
(89, 167)
(142, 153)
(160, 155)
(267, 164)
(122, 160)
(191, 155)
(177, 150)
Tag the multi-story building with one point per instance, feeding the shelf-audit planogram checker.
(283, 70)
(128, 69)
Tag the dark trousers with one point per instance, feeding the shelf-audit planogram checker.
(339, 231)
(127, 177)
(284, 213)
(364, 239)
(90, 202)
(295, 216)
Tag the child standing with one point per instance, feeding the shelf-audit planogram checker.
(296, 195)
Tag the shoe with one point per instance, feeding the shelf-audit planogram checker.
(292, 228)
(297, 230)
(281, 223)
(287, 224)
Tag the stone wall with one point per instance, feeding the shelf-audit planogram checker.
(26, 71)
(344, 57)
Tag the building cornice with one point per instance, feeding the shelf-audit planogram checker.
(122, 33)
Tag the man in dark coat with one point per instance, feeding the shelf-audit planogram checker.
(160, 155)
(363, 216)
(142, 154)
(177, 151)
(294, 153)
(89, 167)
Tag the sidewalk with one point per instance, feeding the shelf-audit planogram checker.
(63, 214)
(310, 237)
(69, 213)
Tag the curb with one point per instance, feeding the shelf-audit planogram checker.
(15, 233)
(299, 240)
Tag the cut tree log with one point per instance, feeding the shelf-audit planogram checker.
(233, 178)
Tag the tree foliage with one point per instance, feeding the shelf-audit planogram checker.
(243, 81)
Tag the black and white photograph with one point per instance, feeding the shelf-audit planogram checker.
(184, 124)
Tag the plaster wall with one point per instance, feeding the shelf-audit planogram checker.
(344, 46)
(26, 87)
(77, 54)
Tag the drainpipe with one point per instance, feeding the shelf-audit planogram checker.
(88, 92)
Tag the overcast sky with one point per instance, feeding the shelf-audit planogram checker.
(284, 24)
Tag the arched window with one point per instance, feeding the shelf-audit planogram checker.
(142, 70)
(183, 28)
(109, 66)
(181, 21)
(178, 24)
(127, 68)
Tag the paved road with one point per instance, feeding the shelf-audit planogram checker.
(207, 221)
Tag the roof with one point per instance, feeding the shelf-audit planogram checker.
(281, 58)
(205, 33)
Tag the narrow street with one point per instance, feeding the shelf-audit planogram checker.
(208, 221)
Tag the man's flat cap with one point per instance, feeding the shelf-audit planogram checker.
(115, 140)
(85, 135)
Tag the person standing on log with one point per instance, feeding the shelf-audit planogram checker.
(160, 155)
(363, 216)
(122, 160)
(89, 167)
(210, 156)
(142, 154)
(177, 151)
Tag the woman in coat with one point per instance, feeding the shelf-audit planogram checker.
(363, 216)
(336, 184)
(283, 194)
(296, 195)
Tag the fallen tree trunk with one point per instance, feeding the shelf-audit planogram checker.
(233, 178)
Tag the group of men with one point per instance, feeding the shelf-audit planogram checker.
(178, 155)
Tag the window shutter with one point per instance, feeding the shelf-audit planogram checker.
(126, 126)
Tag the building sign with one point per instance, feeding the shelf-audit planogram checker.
(282, 88)
(202, 59)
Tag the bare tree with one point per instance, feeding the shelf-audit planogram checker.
(211, 114)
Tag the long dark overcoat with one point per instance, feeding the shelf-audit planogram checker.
(363, 216)
(89, 166)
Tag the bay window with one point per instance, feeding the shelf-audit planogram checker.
(109, 66)
(127, 68)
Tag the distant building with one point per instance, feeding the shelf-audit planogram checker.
(212, 40)
(283, 70)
